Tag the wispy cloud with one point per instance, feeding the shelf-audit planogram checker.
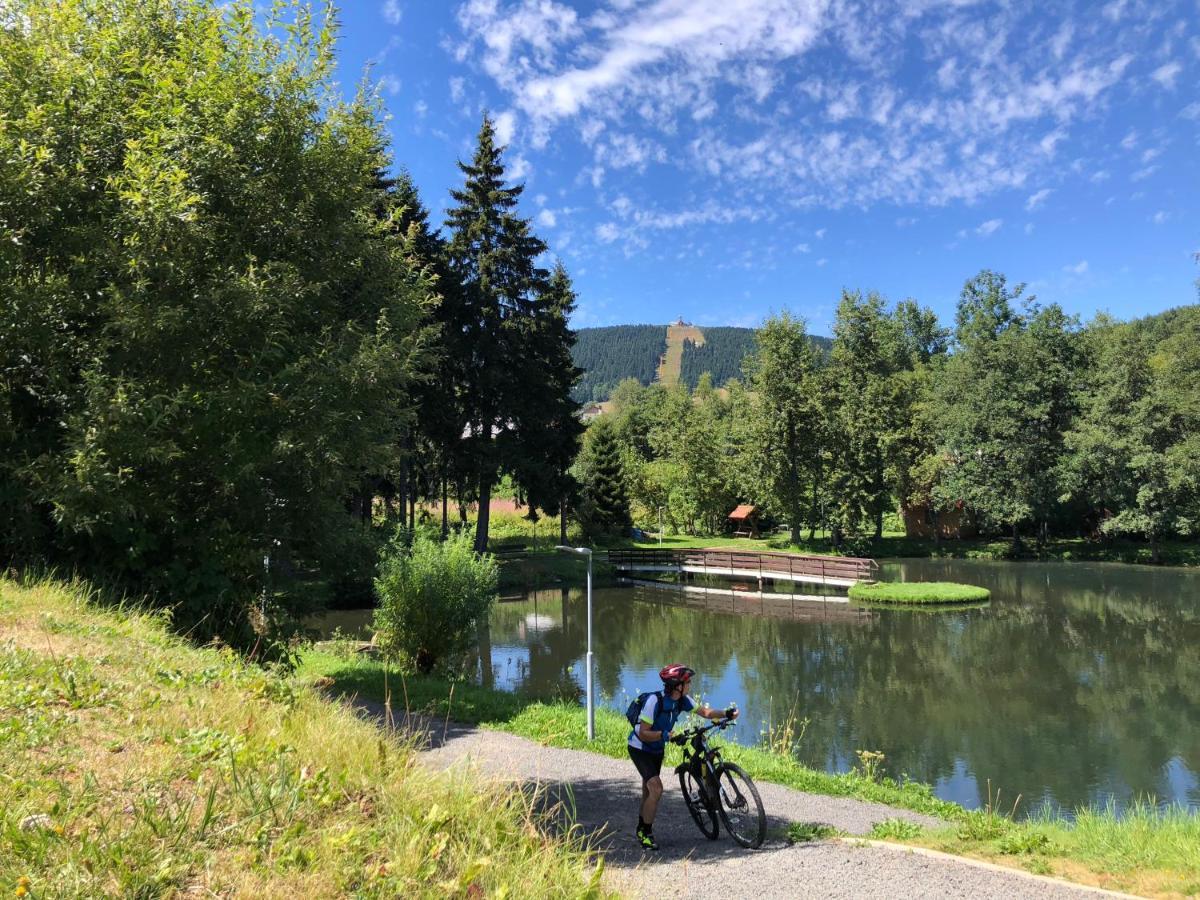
(391, 12)
(1037, 199)
(785, 106)
(1166, 74)
(1078, 269)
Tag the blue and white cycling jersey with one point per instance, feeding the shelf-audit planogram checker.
(660, 717)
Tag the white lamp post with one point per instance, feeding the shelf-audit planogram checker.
(591, 696)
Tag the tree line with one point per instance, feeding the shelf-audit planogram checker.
(1021, 417)
(226, 331)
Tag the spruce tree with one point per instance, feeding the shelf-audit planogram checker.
(508, 334)
(605, 506)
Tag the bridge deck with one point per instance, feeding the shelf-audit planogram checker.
(836, 571)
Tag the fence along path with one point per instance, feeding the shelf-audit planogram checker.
(837, 571)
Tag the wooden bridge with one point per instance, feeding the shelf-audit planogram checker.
(836, 571)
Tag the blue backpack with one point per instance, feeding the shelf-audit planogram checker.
(636, 704)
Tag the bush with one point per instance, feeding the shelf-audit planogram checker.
(430, 596)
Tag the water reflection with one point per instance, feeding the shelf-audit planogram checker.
(1077, 684)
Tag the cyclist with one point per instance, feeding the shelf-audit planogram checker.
(648, 740)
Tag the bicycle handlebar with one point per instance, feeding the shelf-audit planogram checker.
(684, 736)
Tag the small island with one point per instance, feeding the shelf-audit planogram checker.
(917, 592)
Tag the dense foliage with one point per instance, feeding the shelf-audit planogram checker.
(609, 355)
(1019, 420)
(432, 592)
(225, 330)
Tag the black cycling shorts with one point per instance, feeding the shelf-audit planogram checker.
(649, 765)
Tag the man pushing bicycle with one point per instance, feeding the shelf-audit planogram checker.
(653, 717)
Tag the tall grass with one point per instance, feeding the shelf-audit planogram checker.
(136, 765)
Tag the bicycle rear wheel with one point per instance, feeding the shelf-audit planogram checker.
(703, 813)
(740, 806)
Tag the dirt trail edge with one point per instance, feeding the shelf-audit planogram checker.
(601, 796)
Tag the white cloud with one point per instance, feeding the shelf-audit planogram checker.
(820, 233)
(803, 248)
(1078, 269)
(989, 227)
(457, 89)
(546, 218)
(1130, 140)
(1144, 173)
(1037, 199)
(607, 233)
(421, 108)
(822, 262)
(1029, 228)
(1191, 111)
(1160, 217)
(518, 167)
(391, 11)
(623, 151)
(506, 125)
(906, 222)
(390, 84)
(1166, 74)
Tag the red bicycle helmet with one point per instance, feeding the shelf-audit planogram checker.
(675, 673)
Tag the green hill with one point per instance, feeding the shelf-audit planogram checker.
(610, 355)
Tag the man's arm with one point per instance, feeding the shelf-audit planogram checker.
(647, 735)
(709, 713)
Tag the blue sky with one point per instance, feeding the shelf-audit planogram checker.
(723, 159)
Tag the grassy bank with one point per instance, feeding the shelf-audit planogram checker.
(534, 570)
(918, 592)
(136, 765)
(1172, 553)
(1151, 852)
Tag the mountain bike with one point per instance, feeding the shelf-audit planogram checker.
(713, 787)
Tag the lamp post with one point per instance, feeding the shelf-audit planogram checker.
(591, 696)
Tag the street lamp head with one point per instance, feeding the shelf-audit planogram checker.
(583, 551)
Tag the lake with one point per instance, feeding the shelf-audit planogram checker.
(1079, 684)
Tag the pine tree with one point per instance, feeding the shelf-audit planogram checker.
(510, 340)
(605, 505)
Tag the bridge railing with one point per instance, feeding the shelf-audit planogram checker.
(764, 565)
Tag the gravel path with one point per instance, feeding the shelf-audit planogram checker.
(601, 795)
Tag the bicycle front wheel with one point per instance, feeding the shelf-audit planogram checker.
(698, 805)
(740, 806)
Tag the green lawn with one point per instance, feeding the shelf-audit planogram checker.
(895, 544)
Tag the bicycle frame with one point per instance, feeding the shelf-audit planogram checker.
(702, 759)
